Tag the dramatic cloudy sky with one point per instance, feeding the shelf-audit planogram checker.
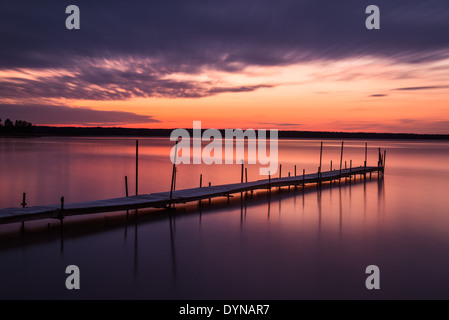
(302, 64)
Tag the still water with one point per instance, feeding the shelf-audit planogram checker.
(294, 244)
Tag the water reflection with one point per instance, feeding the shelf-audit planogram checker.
(223, 250)
(172, 244)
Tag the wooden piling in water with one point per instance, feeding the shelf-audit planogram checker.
(173, 173)
(269, 181)
(321, 157)
(350, 170)
(174, 182)
(341, 158)
(209, 197)
(280, 174)
(366, 159)
(24, 204)
(303, 177)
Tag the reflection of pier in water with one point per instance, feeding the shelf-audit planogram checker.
(247, 200)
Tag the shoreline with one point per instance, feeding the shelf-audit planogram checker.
(46, 131)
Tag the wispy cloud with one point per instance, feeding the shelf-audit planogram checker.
(421, 88)
(378, 95)
(110, 80)
(281, 124)
(60, 114)
(403, 125)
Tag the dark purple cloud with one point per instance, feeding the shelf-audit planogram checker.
(52, 114)
(378, 95)
(227, 35)
(90, 82)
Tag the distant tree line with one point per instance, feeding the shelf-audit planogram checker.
(18, 127)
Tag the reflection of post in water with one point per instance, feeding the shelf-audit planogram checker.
(126, 227)
(245, 205)
(279, 199)
(269, 204)
(172, 245)
(294, 200)
(135, 248)
(319, 210)
(364, 197)
(303, 196)
(62, 239)
(341, 211)
(380, 195)
(201, 212)
(241, 212)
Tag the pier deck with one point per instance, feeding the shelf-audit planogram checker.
(162, 199)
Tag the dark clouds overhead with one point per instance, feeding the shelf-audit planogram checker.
(228, 35)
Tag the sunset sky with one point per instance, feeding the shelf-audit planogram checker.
(290, 65)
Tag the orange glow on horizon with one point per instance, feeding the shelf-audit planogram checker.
(365, 94)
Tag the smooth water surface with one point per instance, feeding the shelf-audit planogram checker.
(295, 244)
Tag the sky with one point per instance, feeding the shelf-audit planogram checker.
(287, 65)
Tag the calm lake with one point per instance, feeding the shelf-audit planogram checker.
(296, 244)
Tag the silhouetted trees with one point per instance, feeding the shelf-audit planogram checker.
(19, 127)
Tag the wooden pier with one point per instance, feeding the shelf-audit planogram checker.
(169, 198)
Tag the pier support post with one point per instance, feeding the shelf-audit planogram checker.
(319, 168)
(350, 171)
(209, 197)
(341, 159)
(24, 204)
(331, 173)
(366, 159)
(303, 178)
(280, 175)
(269, 181)
(173, 174)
